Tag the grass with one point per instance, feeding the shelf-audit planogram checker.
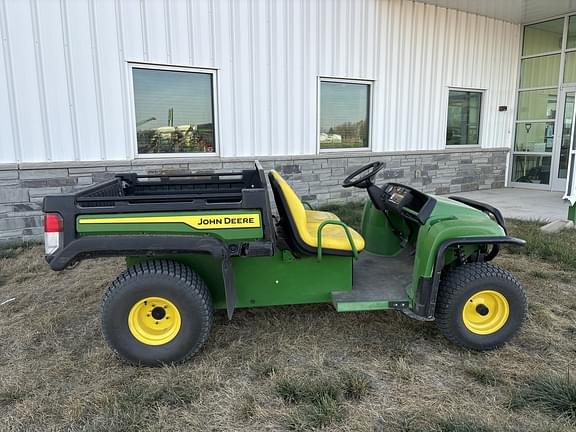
(321, 400)
(351, 213)
(552, 393)
(285, 368)
(559, 248)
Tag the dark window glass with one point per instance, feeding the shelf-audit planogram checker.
(531, 169)
(344, 118)
(463, 117)
(174, 111)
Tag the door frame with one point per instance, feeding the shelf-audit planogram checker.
(557, 184)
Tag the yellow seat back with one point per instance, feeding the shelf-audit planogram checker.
(295, 207)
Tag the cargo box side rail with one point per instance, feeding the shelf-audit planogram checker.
(133, 194)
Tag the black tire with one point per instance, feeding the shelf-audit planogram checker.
(459, 285)
(173, 281)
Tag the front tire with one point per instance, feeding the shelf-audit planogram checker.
(480, 306)
(157, 312)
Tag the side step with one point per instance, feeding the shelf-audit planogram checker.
(365, 300)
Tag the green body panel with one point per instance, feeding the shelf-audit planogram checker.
(276, 280)
(449, 220)
(251, 233)
(377, 233)
(572, 213)
(282, 279)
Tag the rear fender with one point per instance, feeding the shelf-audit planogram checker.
(149, 246)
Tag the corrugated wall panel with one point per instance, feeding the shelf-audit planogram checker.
(25, 80)
(9, 139)
(82, 70)
(64, 70)
(51, 63)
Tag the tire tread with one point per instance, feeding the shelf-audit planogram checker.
(174, 270)
(456, 280)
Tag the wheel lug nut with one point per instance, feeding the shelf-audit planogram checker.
(156, 322)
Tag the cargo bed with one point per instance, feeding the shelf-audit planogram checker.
(224, 213)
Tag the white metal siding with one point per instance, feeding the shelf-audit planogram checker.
(65, 86)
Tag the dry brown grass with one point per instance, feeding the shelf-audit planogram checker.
(285, 368)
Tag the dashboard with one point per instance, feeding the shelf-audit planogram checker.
(409, 202)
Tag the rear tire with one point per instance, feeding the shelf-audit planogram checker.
(480, 306)
(157, 312)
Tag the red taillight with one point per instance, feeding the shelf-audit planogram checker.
(52, 222)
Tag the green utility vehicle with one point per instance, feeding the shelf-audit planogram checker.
(206, 241)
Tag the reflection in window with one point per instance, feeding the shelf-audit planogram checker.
(543, 37)
(571, 42)
(537, 104)
(566, 135)
(540, 71)
(531, 169)
(344, 115)
(463, 117)
(534, 137)
(174, 111)
(570, 67)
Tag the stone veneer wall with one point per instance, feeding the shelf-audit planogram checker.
(316, 178)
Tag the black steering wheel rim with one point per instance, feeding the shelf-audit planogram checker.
(365, 180)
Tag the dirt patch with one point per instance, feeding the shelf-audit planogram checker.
(284, 368)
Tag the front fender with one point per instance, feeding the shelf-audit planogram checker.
(434, 240)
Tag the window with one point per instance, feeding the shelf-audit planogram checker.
(571, 42)
(570, 67)
(539, 71)
(344, 114)
(543, 37)
(463, 117)
(174, 111)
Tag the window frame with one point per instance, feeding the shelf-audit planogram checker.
(131, 65)
(482, 92)
(370, 84)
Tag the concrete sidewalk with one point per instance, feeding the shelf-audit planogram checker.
(523, 203)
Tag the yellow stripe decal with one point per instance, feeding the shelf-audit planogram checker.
(243, 220)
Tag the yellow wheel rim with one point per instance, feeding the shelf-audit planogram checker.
(485, 312)
(154, 321)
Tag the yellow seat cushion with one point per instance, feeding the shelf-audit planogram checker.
(333, 236)
(320, 216)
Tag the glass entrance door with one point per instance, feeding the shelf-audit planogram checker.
(564, 126)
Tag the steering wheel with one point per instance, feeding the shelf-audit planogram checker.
(365, 180)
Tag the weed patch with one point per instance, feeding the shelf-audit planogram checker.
(320, 399)
(484, 376)
(247, 407)
(558, 248)
(10, 396)
(462, 425)
(350, 213)
(554, 394)
(320, 414)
